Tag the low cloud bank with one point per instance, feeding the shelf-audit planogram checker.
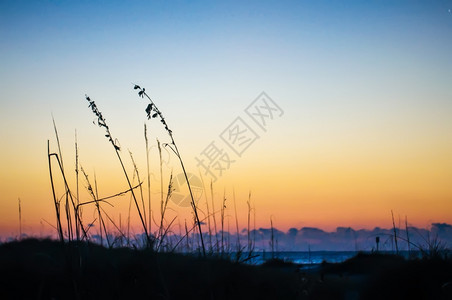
(349, 239)
(303, 239)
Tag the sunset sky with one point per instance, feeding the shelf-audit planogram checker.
(364, 90)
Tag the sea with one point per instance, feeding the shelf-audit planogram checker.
(315, 258)
(312, 257)
(302, 257)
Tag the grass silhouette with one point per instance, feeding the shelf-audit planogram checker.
(153, 112)
(102, 123)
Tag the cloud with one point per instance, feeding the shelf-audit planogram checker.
(304, 239)
(345, 238)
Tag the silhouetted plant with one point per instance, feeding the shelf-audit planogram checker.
(208, 214)
(162, 230)
(137, 174)
(222, 215)
(153, 112)
(272, 239)
(395, 233)
(102, 123)
(148, 179)
(214, 218)
(68, 194)
(20, 220)
(97, 203)
(432, 248)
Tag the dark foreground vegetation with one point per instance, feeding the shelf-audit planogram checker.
(45, 269)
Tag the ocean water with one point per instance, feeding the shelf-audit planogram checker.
(306, 257)
(298, 257)
(317, 257)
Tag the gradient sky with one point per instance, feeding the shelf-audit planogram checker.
(365, 86)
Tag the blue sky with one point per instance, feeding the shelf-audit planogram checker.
(361, 83)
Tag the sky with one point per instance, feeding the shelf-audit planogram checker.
(357, 122)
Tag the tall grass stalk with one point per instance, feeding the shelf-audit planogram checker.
(68, 194)
(223, 207)
(94, 194)
(67, 205)
(159, 147)
(55, 200)
(20, 220)
(254, 226)
(213, 215)
(153, 112)
(102, 123)
(208, 212)
(236, 225)
(187, 237)
(114, 224)
(135, 168)
(102, 223)
(407, 237)
(272, 238)
(77, 212)
(67, 210)
(58, 143)
(228, 240)
(165, 233)
(104, 199)
(162, 234)
(395, 233)
(248, 233)
(433, 247)
(148, 178)
(128, 220)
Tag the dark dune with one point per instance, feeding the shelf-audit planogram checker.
(45, 269)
